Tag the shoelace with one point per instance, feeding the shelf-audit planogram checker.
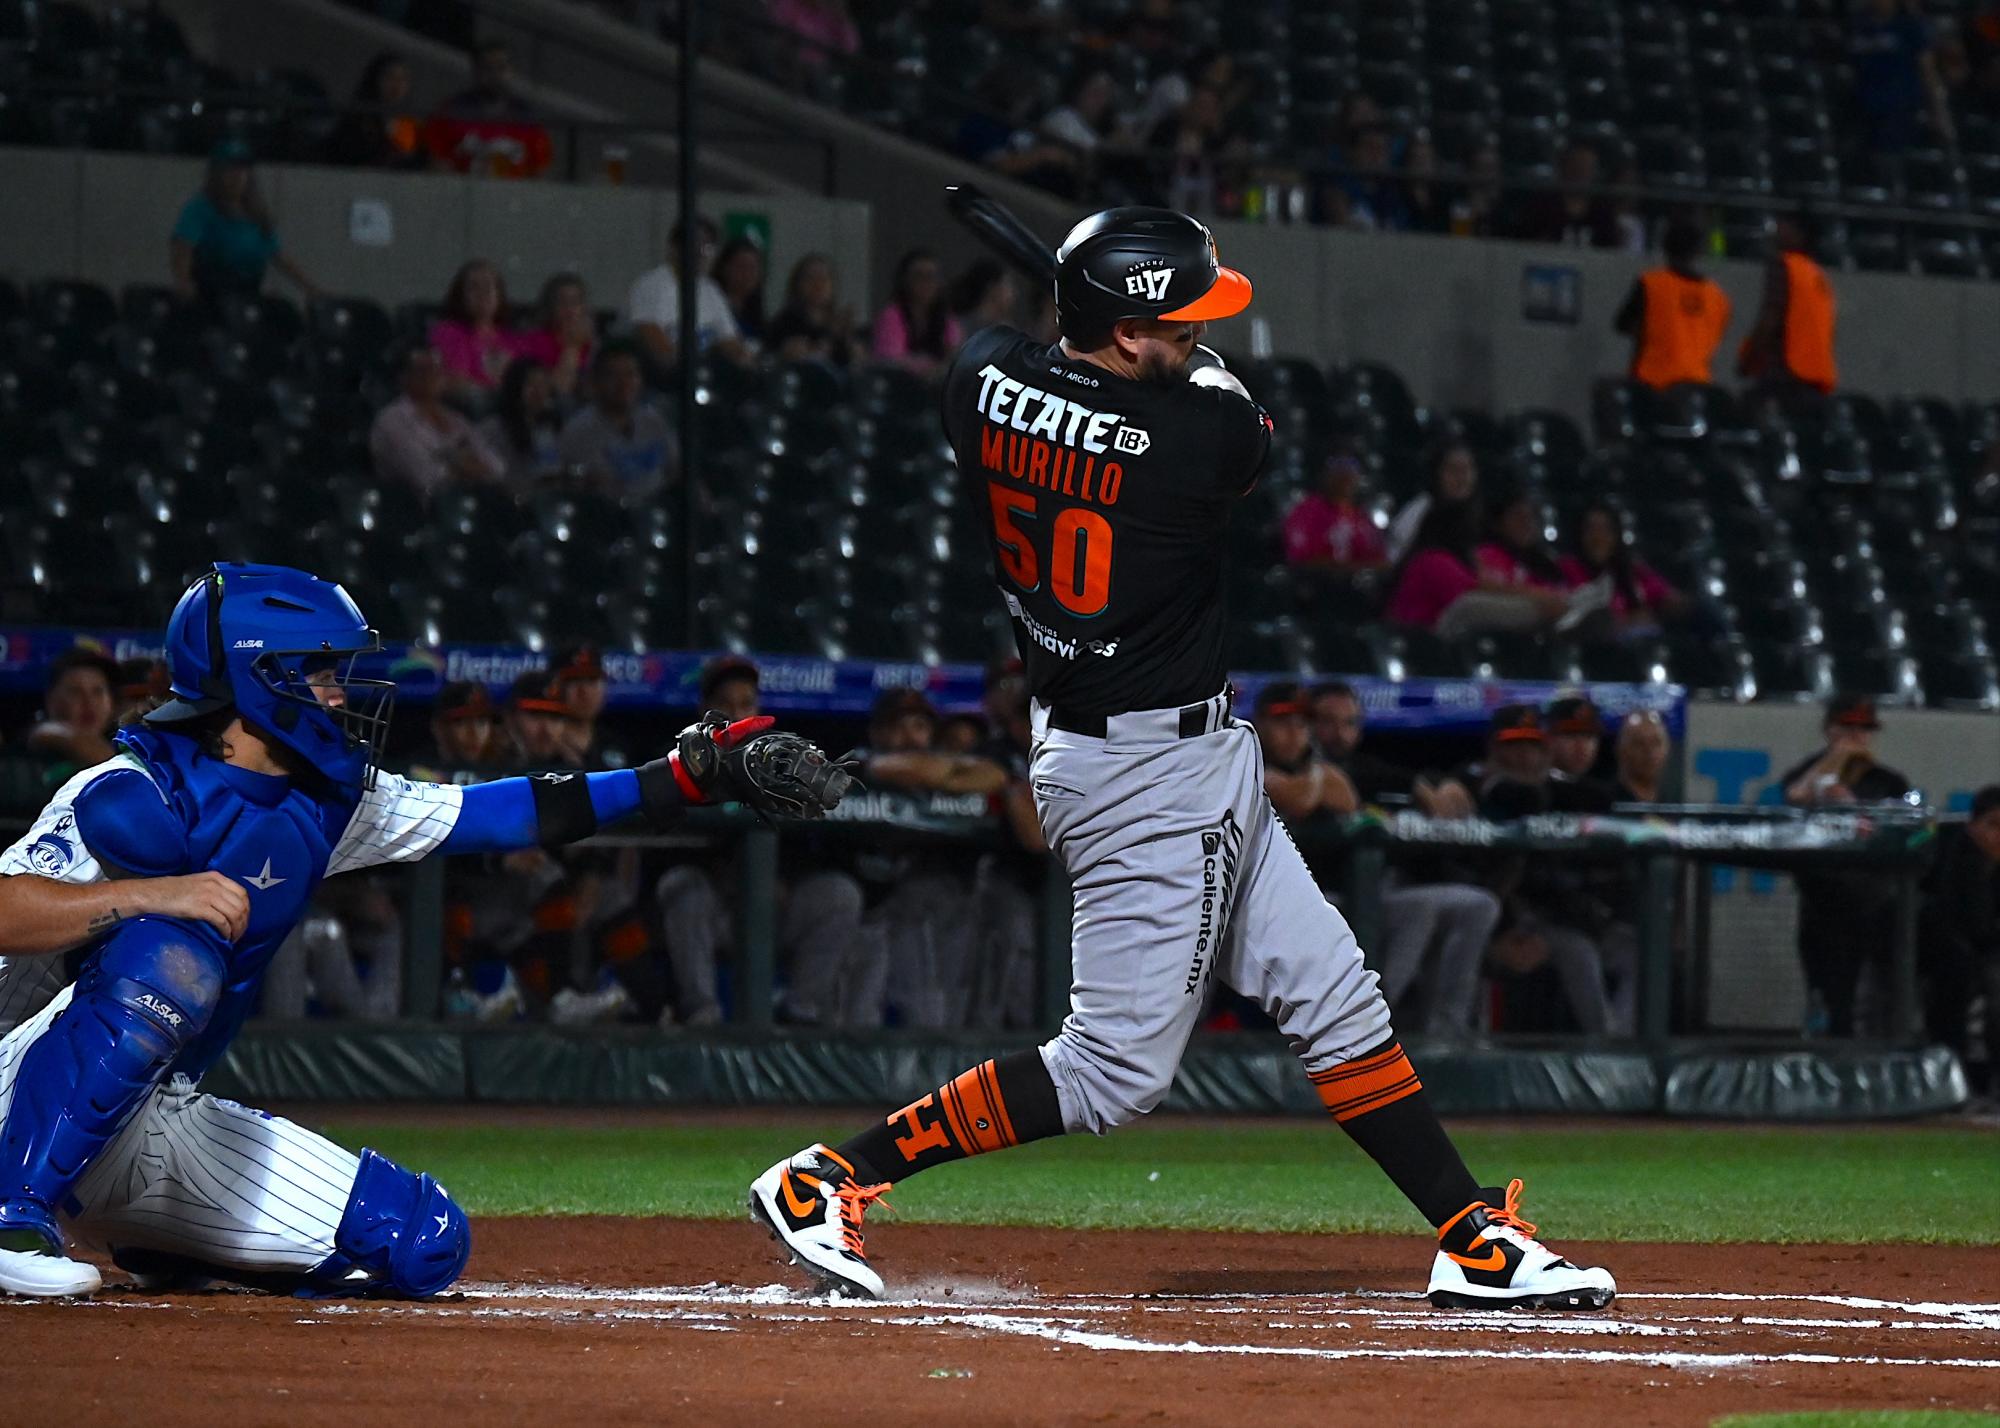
(854, 1202)
(1509, 1214)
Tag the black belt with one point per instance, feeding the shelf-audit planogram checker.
(1194, 719)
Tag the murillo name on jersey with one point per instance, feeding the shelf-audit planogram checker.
(1107, 501)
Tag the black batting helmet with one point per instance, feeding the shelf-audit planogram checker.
(1143, 262)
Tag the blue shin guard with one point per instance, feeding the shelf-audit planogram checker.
(400, 1234)
(142, 996)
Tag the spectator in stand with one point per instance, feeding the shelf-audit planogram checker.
(619, 442)
(1675, 315)
(1847, 919)
(1958, 950)
(984, 294)
(386, 138)
(471, 337)
(998, 133)
(1426, 204)
(487, 129)
(915, 328)
(1329, 535)
(1641, 600)
(1188, 141)
(1371, 195)
(653, 308)
(1896, 80)
(1082, 121)
(1641, 755)
(739, 272)
(1556, 913)
(463, 735)
(823, 28)
(1514, 553)
(812, 326)
(1573, 218)
(1453, 476)
(565, 334)
(224, 239)
(1475, 208)
(1790, 344)
(78, 707)
(1435, 921)
(523, 429)
(1442, 586)
(419, 440)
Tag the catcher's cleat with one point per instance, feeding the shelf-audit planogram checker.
(1488, 1258)
(31, 1259)
(813, 1207)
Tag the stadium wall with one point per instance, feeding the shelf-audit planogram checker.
(1448, 314)
(1451, 316)
(105, 217)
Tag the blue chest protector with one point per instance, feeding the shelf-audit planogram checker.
(259, 829)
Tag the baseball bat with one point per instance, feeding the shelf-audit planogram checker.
(995, 225)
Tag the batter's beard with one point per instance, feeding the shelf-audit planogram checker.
(1161, 371)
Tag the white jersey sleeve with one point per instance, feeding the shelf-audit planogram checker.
(49, 849)
(398, 821)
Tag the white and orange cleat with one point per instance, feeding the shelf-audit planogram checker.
(1488, 1258)
(812, 1205)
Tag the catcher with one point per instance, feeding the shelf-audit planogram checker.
(138, 914)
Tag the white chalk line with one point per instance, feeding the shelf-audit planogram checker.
(1066, 1320)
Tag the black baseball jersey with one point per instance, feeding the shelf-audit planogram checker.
(1106, 500)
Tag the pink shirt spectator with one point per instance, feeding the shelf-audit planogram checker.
(824, 26)
(546, 348)
(1317, 530)
(1431, 581)
(891, 340)
(1497, 562)
(474, 356)
(1654, 591)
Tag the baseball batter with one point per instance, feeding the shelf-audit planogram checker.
(1109, 463)
(139, 913)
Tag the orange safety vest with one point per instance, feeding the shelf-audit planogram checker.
(1681, 327)
(1808, 322)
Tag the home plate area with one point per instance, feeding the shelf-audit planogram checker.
(561, 1320)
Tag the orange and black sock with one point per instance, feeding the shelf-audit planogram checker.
(1378, 1100)
(999, 1103)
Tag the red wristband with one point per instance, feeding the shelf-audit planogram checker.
(690, 790)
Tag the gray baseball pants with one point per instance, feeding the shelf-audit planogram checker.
(1182, 874)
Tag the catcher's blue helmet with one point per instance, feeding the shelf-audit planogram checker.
(278, 646)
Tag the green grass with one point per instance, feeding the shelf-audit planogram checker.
(1916, 1419)
(1635, 1182)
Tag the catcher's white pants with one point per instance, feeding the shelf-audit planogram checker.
(195, 1175)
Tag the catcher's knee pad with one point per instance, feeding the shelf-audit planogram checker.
(141, 998)
(402, 1228)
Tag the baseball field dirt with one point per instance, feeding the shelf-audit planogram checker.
(602, 1321)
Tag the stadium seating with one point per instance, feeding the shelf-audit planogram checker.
(1839, 542)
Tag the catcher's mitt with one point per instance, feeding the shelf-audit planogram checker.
(715, 761)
